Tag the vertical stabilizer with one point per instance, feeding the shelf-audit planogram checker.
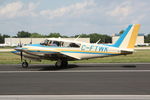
(128, 38)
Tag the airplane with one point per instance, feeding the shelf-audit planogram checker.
(62, 51)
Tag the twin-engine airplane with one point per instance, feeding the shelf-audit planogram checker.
(62, 51)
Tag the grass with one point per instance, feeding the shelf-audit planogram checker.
(140, 56)
(7, 47)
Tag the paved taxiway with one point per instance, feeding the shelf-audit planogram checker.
(78, 79)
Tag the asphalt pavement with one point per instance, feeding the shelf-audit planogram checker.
(77, 79)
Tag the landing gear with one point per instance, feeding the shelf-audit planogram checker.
(61, 64)
(25, 64)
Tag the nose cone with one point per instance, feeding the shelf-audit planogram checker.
(19, 49)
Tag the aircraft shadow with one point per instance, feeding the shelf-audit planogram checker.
(129, 66)
(72, 66)
(51, 67)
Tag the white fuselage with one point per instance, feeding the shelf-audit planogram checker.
(85, 51)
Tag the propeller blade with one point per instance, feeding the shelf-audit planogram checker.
(20, 43)
(21, 55)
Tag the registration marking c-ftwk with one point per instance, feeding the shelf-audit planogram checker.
(94, 48)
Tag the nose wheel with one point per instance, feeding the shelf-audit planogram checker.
(25, 64)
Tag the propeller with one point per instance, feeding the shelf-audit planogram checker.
(21, 53)
(77, 38)
(20, 45)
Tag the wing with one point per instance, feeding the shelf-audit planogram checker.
(48, 56)
(70, 55)
(59, 55)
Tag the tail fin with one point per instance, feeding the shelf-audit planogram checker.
(128, 38)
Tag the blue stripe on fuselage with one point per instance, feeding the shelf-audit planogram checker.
(42, 51)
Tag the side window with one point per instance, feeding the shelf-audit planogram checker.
(56, 43)
(46, 42)
(74, 45)
(61, 44)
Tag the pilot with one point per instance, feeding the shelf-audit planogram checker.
(55, 43)
(49, 43)
(61, 44)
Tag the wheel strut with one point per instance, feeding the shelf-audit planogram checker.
(61, 63)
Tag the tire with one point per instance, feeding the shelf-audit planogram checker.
(65, 63)
(58, 64)
(25, 65)
(61, 64)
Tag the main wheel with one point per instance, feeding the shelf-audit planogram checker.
(61, 63)
(25, 64)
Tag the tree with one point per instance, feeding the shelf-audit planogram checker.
(23, 34)
(94, 37)
(64, 36)
(147, 38)
(36, 35)
(14, 36)
(2, 38)
(56, 35)
(84, 35)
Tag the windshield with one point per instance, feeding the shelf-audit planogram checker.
(45, 42)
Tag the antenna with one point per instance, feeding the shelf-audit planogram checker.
(98, 41)
(77, 38)
(21, 53)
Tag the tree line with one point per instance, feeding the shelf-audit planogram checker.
(147, 38)
(94, 37)
(2, 37)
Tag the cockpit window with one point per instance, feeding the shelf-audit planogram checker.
(45, 42)
(60, 44)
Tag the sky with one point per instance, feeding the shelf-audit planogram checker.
(72, 17)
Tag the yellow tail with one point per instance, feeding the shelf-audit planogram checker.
(128, 38)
